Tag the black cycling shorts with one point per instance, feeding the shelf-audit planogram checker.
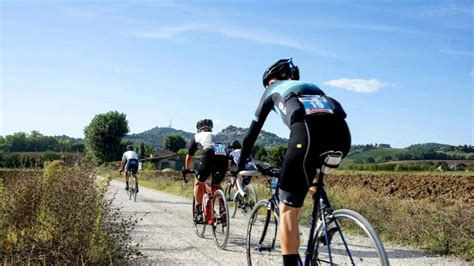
(132, 165)
(309, 139)
(211, 164)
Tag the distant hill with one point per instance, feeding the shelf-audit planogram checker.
(426, 151)
(266, 139)
(156, 135)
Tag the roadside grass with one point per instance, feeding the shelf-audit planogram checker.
(61, 216)
(445, 228)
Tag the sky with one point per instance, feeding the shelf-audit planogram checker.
(402, 70)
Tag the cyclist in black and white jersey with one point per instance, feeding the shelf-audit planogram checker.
(213, 160)
(317, 125)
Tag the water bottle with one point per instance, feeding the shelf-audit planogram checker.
(274, 185)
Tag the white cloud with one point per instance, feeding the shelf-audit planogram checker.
(357, 85)
(457, 52)
(256, 35)
(175, 33)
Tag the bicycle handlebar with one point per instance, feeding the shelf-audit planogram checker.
(268, 170)
(184, 172)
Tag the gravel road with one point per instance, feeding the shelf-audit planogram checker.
(166, 235)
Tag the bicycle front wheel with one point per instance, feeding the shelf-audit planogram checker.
(220, 226)
(199, 227)
(251, 199)
(352, 240)
(262, 246)
(135, 187)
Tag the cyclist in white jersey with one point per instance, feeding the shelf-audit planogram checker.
(213, 160)
(129, 162)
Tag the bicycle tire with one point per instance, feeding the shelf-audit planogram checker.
(199, 228)
(135, 187)
(130, 187)
(251, 200)
(221, 223)
(228, 192)
(236, 202)
(356, 242)
(262, 235)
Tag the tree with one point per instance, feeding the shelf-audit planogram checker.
(174, 143)
(276, 154)
(259, 152)
(103, 136)
(78, 147)
(142, 150)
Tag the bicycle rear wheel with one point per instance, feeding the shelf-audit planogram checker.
(353, 242)
(262, 246)
(199, 228)
(220, 226)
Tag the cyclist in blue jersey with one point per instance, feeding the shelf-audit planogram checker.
(317, 125)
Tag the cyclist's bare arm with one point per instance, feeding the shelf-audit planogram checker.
(188, 162)
(122, 164)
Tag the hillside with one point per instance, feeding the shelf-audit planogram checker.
(427, 151)
(265, 138)
(156, 135)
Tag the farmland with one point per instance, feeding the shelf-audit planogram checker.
(451, 187)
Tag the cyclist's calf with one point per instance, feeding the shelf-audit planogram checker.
(289, 230)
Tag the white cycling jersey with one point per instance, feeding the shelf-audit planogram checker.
(129, 155)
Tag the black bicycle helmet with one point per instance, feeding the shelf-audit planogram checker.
(204, 125)
(282, 69)
(235, 145)
(130, 147)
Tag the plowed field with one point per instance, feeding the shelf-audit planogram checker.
(438, 187)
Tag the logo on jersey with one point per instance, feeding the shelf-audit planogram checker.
(282, 107)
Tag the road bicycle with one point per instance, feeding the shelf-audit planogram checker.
(244, 197)
(133, 185)
(336, 237)
(215, 213)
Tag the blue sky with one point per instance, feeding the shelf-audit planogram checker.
(403, 70)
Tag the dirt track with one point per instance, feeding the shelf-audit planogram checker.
(166, 235)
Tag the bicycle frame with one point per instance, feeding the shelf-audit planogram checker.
(238, 180)
(214, 188)
(322, 207)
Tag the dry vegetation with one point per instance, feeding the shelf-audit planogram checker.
(61, 216)
(439, 221)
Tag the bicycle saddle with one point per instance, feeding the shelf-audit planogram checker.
(330, 160)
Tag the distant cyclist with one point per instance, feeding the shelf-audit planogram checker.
(129, 162)
(213, 161)
(317, 125)
(234, 158)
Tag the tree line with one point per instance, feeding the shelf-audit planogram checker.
(37, 142)
(104, 142)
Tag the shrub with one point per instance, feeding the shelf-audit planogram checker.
(61, 216)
